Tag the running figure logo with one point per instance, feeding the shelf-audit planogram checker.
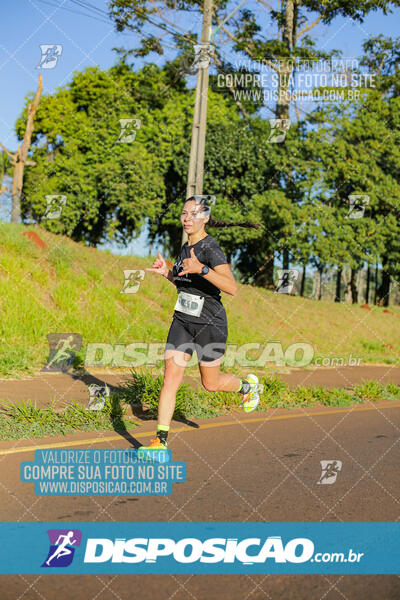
(202, 55)
(128, 130)
(199, 60)
(279, 129)
(62, 547)
(330, 470)
(50, 55)
(133, 277)
(62, 351)
(98, 395)
(54, 203)
(357, 205)
(287, 278)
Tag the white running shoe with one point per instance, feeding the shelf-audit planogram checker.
(250, 401)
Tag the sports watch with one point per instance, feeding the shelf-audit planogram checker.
(204, 270)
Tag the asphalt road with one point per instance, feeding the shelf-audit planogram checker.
(256, 467)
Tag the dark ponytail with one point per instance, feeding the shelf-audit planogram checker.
(247, 224)
(202, 200)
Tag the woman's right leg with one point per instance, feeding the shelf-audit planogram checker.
(175, 361)
(174, 368)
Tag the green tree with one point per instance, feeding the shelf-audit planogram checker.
(112, 188)
(247, 35)
(237, 168)
(352, 152)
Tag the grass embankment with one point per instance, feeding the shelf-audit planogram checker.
(24, 420)
(142, 392)
(68, 287)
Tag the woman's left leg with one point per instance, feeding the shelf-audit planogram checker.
(211, 342)
(215, 381)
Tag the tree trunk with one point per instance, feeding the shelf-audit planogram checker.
(347, 288)
(338, 284)
(360, 280)
(21, 156)
(376, 284)
(282, 106)
(289, 39)
(353, 286)
(17, 188)
(303, 281)
(285, 259)
(384, 289)
(265, 275)
(368, 284)
(319, 288)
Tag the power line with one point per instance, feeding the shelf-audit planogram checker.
(139, 13)
(74, 11)
(88, 6)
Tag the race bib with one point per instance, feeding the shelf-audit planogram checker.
(190, 304)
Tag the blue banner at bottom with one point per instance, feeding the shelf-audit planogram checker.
(208, 548)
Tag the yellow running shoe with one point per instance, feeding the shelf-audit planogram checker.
(155, 451)
(155, 444)
(250, 401)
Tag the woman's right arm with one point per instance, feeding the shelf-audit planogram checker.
(161, 267)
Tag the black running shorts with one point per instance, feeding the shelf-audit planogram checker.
(209, 341)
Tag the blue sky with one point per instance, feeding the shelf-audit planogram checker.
(88, 41)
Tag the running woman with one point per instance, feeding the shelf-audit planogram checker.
(200, 272)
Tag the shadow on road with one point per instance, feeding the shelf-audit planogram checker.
(117, 412)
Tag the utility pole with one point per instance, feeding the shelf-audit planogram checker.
(196, 161)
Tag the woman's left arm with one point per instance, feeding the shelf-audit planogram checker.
(221, 276)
